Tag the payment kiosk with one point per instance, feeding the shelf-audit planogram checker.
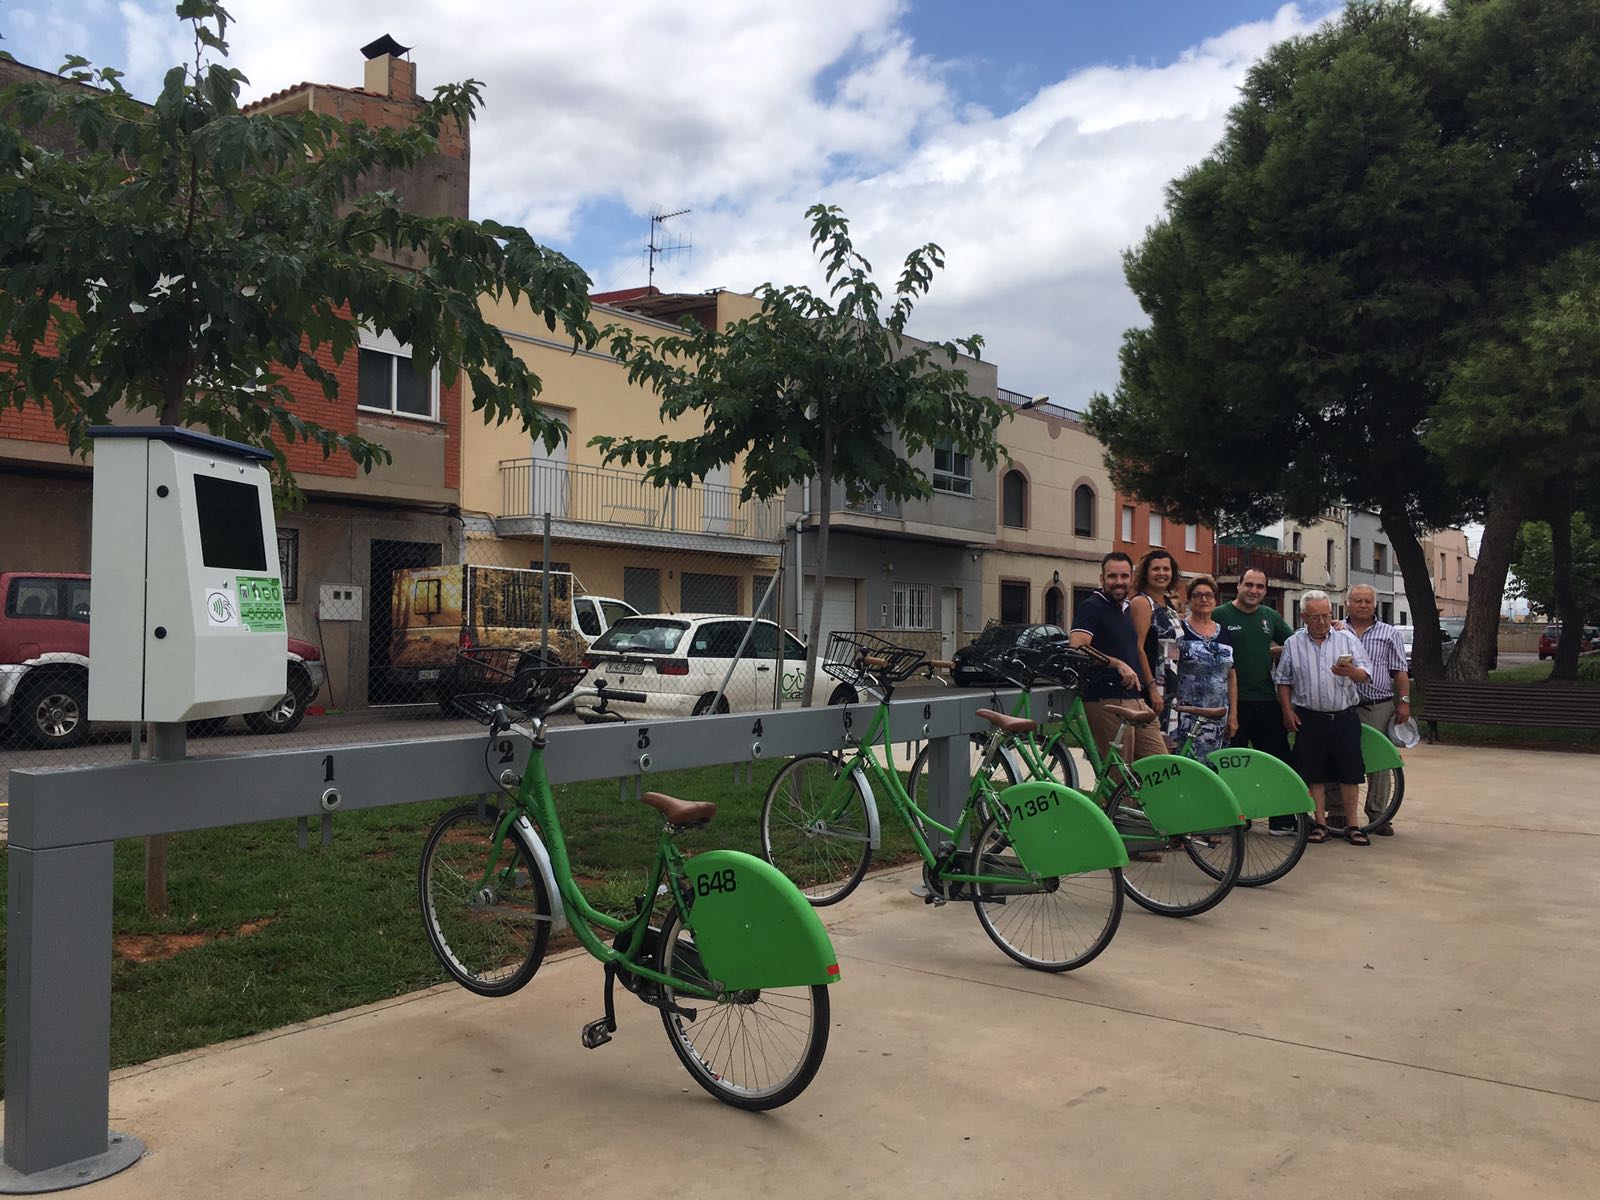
(186, 604)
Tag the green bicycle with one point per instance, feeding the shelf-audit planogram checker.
(1041, 865)
(737, 963)
(1183, 826)
(1264, 786)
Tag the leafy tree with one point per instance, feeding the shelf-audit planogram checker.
(1522, 412)
(1533, 565)
(188, 257)
(812, 387)
(1314, 282)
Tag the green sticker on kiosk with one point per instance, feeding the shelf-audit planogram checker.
(261, 604)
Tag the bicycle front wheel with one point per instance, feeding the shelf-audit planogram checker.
(757, 1048)
(488, 927)
(1270, 855)
(815, 827)
(1055, 924)
(1186, 875)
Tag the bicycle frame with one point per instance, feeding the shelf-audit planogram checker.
(535, 800)
(1116, 780)
(866, 760)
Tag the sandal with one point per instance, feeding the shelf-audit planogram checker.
(1318, 834)
(1357, 837)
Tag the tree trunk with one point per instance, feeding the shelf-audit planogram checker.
(1567, 649)
(1488, 588)
(1427, 654)
(819, 588)
(155, 874)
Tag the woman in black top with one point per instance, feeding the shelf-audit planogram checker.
(1157, 624)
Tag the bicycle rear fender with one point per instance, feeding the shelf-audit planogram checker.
(1377, 751)
(541, 862)
(1181, 795)
(1057, 831)
(752, 927)
(1264, 786)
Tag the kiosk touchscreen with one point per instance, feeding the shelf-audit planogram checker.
(186, 604)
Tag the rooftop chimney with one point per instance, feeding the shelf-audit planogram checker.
(387, 73)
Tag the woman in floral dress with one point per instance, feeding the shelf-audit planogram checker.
(1206, 677)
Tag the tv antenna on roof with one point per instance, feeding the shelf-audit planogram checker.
(658, 243)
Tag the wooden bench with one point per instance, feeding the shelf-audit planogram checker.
(1548, 705)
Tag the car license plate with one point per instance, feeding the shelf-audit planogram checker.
(427, 674)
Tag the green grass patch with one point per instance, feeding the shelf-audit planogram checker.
(274, 934)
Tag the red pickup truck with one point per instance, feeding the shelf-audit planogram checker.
(44, 665)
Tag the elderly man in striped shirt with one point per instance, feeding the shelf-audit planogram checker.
(1317, 675)
(1386, 696)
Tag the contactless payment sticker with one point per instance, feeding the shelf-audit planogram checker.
(222, 611)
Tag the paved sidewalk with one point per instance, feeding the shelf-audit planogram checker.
(1415, 1019)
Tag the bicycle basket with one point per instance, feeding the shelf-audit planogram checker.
(864, 658)
(486, 677)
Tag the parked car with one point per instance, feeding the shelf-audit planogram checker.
(968, 670)
(679, 661)
(44, 665)
(1551, 637)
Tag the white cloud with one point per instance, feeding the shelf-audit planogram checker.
(747, 111)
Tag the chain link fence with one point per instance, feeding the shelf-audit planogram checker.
(381, 601)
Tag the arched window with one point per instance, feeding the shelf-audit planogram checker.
(1083, 511)
(1014, 499)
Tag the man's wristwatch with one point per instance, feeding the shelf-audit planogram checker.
(1403, 699)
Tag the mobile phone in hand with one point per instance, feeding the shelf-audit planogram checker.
(1346, 659)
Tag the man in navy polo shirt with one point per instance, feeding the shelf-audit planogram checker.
(1102, 621)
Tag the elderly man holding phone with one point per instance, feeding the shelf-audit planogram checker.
(1317, 674)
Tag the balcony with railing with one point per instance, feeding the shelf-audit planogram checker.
(602, 504)
(875, 505)
(1280, 566)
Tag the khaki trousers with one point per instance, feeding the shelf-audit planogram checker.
(1137, 741)
(1378, 716)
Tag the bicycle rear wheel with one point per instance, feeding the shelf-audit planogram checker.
(816, 829)
(1190, 873)
(1270, 856)
(1056, 924)
(1381, 798)
(755, 1049)
(490, 933)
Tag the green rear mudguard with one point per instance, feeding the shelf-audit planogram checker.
(1263, 785)
(752, 927)
(1377, 751)
(1180, 795)
(1057, 831)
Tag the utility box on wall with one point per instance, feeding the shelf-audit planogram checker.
(186, 604)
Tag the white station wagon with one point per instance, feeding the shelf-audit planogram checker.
(680, 660)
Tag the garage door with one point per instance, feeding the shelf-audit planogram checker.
(838, 608)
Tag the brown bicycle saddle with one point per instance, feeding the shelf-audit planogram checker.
(691, 813)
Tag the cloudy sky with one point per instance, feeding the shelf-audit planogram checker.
(1030, 138)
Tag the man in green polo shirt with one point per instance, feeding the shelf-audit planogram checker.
(1258, 635)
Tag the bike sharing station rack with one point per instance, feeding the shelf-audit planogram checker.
(64, 822)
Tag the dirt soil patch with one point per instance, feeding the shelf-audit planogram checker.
(152, 947)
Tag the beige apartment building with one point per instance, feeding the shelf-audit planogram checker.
(1321, 549)
(1450, 563)
(684, 549)
(1054, 514)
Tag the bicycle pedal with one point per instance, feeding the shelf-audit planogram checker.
(597, 1033)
